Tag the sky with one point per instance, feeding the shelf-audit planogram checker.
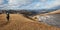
(28, 4)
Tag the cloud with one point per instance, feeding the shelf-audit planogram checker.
(53, 4)
(1, 2)
(44, 5)
(42, 0)
(19, 3)
(29, 4)
(14, 4)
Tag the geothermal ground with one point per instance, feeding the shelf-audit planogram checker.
(19, 22)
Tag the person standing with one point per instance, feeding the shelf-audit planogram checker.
(7, 13)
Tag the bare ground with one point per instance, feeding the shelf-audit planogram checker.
(19, 22)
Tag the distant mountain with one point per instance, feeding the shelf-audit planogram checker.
(57, 7)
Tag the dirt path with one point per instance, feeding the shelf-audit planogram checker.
(19, 22)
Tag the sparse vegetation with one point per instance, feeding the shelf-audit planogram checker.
(21, 21)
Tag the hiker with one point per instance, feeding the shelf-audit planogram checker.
(7, 16)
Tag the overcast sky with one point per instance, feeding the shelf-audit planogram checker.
(28, 4)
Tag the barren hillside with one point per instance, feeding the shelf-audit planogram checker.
(19, 22)
(54, 12)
